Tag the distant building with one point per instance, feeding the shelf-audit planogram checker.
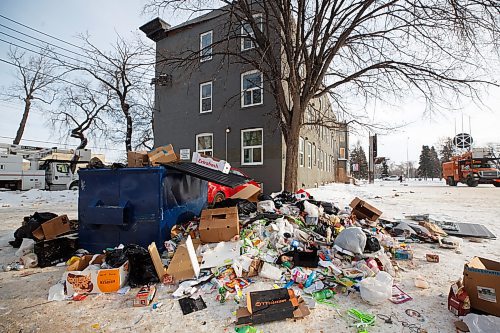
(228, 112)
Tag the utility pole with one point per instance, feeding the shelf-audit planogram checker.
(372, 153)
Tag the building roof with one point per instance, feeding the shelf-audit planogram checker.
(157, 29)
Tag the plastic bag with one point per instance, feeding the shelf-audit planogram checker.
(29, 260)
(115, 258)
(142, 271)
(482, 323)
(372, 245)
(351, 239)
(265, 206)
(30, 224)
(56, 292)
(245, 207)
(27, 246)
(376, 290)
(310, 209)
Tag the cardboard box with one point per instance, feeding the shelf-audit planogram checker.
(211, 163)
(482, 284)
(219, 225)
(458, 300)
(184, 264)
(137, 159)
(155, 257)
(163, 154)
(145, 296)
(250, 193)
(94, 281)
(363, 210)
(271, 305)
(52, 228)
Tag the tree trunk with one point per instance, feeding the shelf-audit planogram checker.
(22, 124)
(128, 133)
(291, 162)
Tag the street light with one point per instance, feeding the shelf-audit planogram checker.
(228, 130)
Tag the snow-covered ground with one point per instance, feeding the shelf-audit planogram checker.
(23, 299)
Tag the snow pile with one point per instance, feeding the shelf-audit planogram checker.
(34, 198)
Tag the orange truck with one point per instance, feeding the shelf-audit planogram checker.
(474, 167)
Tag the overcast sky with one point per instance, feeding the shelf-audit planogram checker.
(101, 19)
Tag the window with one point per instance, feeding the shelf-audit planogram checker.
(314, 153)
(301, 151)
(342, 153)
(1, 166)
(252, 146)
(206, 97)
(321, 160)
(309, 155)
(247, 33)
(206, 46)
(62, 168)
(252, 88)
(205, 144)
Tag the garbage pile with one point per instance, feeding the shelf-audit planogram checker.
(310, 253)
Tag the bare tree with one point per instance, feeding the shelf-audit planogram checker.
(362, 49)
(120, 72)
(82, 113)
(35, 82)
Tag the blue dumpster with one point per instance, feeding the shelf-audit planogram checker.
(135, 205)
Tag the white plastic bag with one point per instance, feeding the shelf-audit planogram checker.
(310, 209)
(30, 260)
(482, 323)
(27, 246)
(56, 292)
(266, 206)
(376, 290)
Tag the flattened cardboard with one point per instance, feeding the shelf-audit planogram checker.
(482, 284)
(137, 159)
(250, 193)
(145, 296)
(223, 254)
(155, 257)
(363, 210)
(244, 317)
(163, 154)
(211, 163)
(219, 225)
(52, 228)
(94, 281)
(184, 264)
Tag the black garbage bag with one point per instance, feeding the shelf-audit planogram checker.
(115, 258)
(30, 224)
(372, 245)
(264, 197)
(245, 207)
(286, 197)
(142, 270)
(329, 208)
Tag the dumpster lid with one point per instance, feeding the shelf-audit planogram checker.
(230, 180)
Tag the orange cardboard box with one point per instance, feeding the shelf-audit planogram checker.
(94, 281)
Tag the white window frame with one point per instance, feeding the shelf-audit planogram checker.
(315, 153)
(203, 151)
(252, 89)
(211, 96)
(244, 34)
(301, 152)
(202, 48)
(261, 146)
(309, 155)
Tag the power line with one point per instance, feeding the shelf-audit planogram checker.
(59, 143)
(46, 55)
(54, 77)
(48, 35)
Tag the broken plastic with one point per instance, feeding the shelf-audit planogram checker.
(56, 292)
(482, 323)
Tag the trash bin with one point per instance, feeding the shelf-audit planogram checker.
(135, 205)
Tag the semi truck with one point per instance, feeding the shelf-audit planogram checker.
(474, 167)
(27, 167)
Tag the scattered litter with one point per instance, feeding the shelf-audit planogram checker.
(189, 305)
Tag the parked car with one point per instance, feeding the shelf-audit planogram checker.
(392, 178)
(217, 193)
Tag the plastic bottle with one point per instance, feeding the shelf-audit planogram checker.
(310, 279)
(322, 294)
